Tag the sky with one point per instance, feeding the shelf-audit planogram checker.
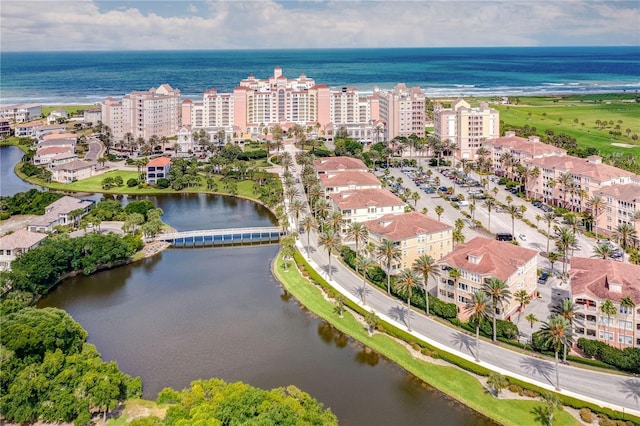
(61, 25)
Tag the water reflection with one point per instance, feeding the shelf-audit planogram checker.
(367, 356)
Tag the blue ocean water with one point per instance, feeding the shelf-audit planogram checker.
(88, 77)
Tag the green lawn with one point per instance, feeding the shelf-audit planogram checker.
(71, 109)
(546, 113)
(450, 380)
(93, 184)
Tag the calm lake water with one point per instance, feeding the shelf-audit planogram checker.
(10, 183)
(197, 313)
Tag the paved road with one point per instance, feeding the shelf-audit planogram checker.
(620, 392)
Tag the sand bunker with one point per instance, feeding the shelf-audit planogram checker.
(623, 145)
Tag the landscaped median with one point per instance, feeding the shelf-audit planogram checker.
(449, 379)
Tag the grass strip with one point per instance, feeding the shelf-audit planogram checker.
(448, 379)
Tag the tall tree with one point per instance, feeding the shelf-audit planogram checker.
(406, 282)
(478, 308)
(523, 300)
(548, 217)
(567, 310)
(426, 266)
(331, 242)
(359, 233)
(364, 263)
(499, 293)
(624, 234)
(308, 224)
(609, 309)
(388, 253)
(489, 204)
(596, 204)
(555, 332)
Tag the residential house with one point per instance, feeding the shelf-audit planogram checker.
(27, 129)
(59, 213)
(16, 243)
(58, 114)
(480, 260)
(593, 282)
(92, 115)
(157, 168)
(72, 171)
(5, 128)
(46, 155)
(415, 234)
(365, 204)
(21, 113)
(334, 182)
(63, 158)
(48, 129)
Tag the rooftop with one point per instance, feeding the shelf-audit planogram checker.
(366, 198)
(74, 165)
(531, 146)
(403, 226)
(605, 279)
(159, 162)
(21, 239)
(582, 167)
(625, 192)
(486, 256)
(348, 177)
(339, 163)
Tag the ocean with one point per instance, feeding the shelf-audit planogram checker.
(89, 77)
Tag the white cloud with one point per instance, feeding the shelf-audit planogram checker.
(86, 25)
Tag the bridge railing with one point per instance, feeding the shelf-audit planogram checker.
(216, 233)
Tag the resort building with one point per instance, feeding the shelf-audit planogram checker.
(92, 115)
(16, 243)
(46, 155)
(568, 181)
(621, 205)
(144, 113)
(158, 168)
(480, 260)
(466, 127)
(348, 180)
(595, 281)
(365, 204)
(403, 111)
(49, 129)
(328, 165)
(21, 113)
(60, 213)
(517, 150)
(72, 171)
(5, 128)
(415, 234)
(27, 129)
(63, 158)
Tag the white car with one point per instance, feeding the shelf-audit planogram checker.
(523, 237)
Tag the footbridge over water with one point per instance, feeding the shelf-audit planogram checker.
(215, 237)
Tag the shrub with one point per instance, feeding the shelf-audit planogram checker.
(162, 183)
(132, 182)
(626, 360)
(586, 415)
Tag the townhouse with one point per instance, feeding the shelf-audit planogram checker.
(14, 244)
(593, 282)
(415, 234)
(348, 180)
(71, 171)
(365, 204)
(480, 260)
(21, 113)
(338, 164)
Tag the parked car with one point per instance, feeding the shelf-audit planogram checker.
(543, 278)
(504, 236)
(523, 237)
(537, 203)
(442, 188)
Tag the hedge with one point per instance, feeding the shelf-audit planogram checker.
(627, 359)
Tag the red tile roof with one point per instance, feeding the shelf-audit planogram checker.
(349, 177)
(366, 198)
(339, 163)
(159, 162)
(54, 150)
(397, 227)
(496, 258)
(624, 192)
(595, 277)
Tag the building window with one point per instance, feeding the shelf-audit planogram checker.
(605, 335)
(626, 325)
(624, 339)
(606, 321)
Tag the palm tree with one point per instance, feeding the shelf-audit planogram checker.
(609, 309)
(297, 207)
(565, 240)
(336, 221)
(439, 210)
(626, 305)
(387, 252)
(602, 251)
(478, 308)
(514, 211)
(406, 282)
(489, 204)
(624, 234)
(523, 299)
(359, 233)
(499, 293)
(555, 332)
(553, 257)
(596, 204)
(531, 319)
(331, 243)
(565, 179)
(308, 224)
(548, 217)
(497, 382)
(426, 266)
(567, 310)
